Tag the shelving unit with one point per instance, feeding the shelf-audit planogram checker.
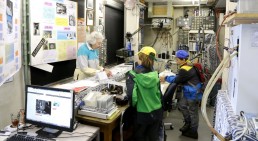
(242, 18)
(192, 38)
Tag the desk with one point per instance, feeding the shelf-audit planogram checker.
(106, 125)
(81, 133)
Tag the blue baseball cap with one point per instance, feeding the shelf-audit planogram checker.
(182, 54)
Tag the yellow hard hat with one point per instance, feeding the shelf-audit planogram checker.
(150, 51)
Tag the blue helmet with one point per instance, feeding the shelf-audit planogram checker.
(182, 54)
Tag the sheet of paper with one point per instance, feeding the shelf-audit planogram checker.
(68, 86)
(102, 76)
(45, 67)
(80, 83)
(88, 83)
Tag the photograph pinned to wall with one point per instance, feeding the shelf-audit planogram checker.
(71, 20)
(61, 9)
(100, 8)
(36, 29)
(47, 34)
(64, 35)
(45, 47)
(71, 35)
(89, 4)
(89, 17)
(101, 21)
(9, 16)
(71, 6)
(52, 45)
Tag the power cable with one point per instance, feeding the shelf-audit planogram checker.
(217, 35)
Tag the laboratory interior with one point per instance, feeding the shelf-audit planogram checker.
(128, 70)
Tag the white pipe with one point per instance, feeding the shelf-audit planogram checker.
(211, 83)
(207, 91)
(209, 86)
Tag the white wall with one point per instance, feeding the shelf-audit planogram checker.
(131, 20)
(11, 98)
(230, 6)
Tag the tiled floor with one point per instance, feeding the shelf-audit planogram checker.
(177, 120)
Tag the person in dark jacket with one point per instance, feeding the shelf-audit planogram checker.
(143, 92)
(189, 104)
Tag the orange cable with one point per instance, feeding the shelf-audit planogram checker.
(217, 35)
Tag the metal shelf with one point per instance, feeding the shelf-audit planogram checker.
(242, 18)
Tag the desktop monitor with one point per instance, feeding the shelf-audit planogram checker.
(50, 108)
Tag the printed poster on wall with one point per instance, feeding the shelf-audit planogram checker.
(53, 33)
(10, 43)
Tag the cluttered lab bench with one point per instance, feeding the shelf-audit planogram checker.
(82, 132)
(94, 99)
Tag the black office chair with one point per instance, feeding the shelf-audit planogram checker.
(126, 123)
(167, 101)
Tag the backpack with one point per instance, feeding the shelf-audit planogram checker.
(201, 75)
(199, 71)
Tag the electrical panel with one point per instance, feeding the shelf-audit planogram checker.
(243, 70)
(183, 22)
(161, 23)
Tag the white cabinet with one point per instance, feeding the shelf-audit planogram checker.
(243, 78)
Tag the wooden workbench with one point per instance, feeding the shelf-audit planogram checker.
(106, 125)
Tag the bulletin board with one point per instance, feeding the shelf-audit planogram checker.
(10, 39)
(53, 31)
